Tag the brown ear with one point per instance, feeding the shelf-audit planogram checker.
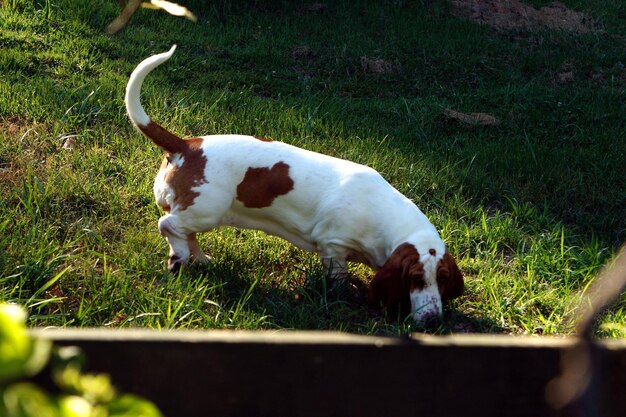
(449, 278)
(403, 259)
(376, 294)
(385, 289)
(391, 285)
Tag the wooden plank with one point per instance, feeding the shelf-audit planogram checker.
(224, 373)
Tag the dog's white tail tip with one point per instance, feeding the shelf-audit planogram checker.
(163, 56)
(171, 51)
(133, 105)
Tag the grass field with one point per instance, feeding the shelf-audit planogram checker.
(531, 207)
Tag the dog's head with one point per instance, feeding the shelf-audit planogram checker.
(410, 282)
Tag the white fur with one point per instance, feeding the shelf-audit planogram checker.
(337, 208)
(427, 302)
(133, 89)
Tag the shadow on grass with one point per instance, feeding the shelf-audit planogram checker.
(312, 303)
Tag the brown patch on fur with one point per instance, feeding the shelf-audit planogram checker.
(401, 273)
(449, 278)
(262, 139)
(168, 141)
(182, 178)
(260, 186)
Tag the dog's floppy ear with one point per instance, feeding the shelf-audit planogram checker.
(391, 284)
(386, 289)
(449, 278)
(387, 292)
(376, 293)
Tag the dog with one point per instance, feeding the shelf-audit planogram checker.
(338, 209)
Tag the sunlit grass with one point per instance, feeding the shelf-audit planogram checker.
(531, 208)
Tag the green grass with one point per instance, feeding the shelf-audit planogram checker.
(532, 207)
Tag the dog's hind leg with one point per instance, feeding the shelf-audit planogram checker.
(178, 240)
(182, 244)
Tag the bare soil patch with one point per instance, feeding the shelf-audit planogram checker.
(12, 126)
(303, 53)
(379, 66)
(510, 15)
(474, 119)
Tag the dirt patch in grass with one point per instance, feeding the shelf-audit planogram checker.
(13, 126)
(379, 66)
(315, 7)
(506, 15)
(303, 53)
(474, 119)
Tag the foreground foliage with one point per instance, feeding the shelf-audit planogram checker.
(83, 395)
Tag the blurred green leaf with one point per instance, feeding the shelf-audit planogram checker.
(38, 357)
(26, 400)
(132, 406)
(20, 355)
(68, 355)
(85, 395)
(75, 406)
(96, 388)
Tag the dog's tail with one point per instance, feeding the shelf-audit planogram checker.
(166, 140)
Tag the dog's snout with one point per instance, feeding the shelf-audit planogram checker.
(173, 264)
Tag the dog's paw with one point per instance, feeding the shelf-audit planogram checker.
(203, 259)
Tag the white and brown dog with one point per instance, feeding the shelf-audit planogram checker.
(339, 209)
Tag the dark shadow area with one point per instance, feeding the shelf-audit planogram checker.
(311, 302)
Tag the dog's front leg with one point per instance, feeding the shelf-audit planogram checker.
(333, 258)
(194, 247)
(336, 268)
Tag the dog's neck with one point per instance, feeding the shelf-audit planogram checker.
(427, 242)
